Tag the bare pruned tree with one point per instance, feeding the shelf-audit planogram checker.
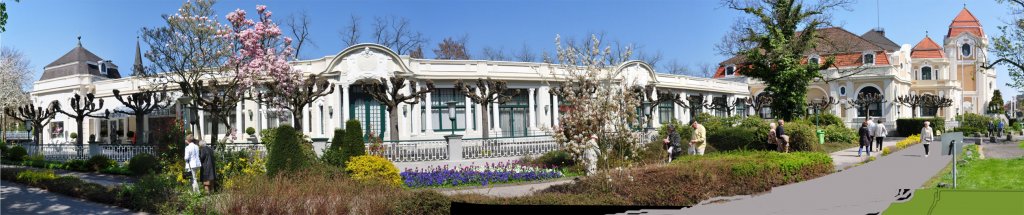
(390, 94)
(82, 107)
(452, 49)
(350, 34)
(485, 93)
(142, 103)
(706, 70)
(395, 33)
(525, 54)
(651, 58)
(298, 24)
(295, 101)
(495, 53)
(864, 102)
(676, 68)
(37, 116)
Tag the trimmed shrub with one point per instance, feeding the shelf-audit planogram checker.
(35, 176)
(73, 135)
(287, 153)
(737, 138)
(902, 144)
(143, 164)
(907, 127)
(352, 144)
(333, 154)
(16, 154)
(840, 134)
(250, 131)
(98, 162)
(557, 158)
(802, 137)
(76, 165)
(425, 202)
(825, 119)
(149, 192)
(373, 169)
(973, 123)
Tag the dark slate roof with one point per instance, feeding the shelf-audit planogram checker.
(832, 40)
(77, 61)
(878, 38)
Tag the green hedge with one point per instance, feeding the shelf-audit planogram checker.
(287, 153)
(907, 127)
(840, 134)
(353, 144)
(802, 137)
(973, 123)
(333, 155)
(825, 119)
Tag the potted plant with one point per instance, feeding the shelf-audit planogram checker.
(252, 134)
(92, 138)
(103, 136)
(73, 136)
(131, 136)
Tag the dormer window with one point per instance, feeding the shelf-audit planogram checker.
(926, 73)
(965, 50)
(730, 70)
(869, 59)
(814, 60)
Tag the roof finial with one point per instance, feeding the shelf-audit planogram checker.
(925, 33)
(79, 40)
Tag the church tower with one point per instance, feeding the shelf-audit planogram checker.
(966, 48)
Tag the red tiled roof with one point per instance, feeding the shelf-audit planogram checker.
(965, 22)
(927, 48)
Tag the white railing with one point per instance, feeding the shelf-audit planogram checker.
(18, 135)
(257, 150)
(412, 151)
(70, 151)
(507, 147)
(122, 153)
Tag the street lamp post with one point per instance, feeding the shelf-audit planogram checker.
(451, 114)
(184, 100)
(647, 115)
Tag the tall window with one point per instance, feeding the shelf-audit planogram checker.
(926, 73)
(873, 109)
(741, 108)
(514, 116)
(869, 59)
(666, 112)
(965, 50)
(439, 109)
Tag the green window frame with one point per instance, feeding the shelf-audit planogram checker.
(666, 112)
(439, 109)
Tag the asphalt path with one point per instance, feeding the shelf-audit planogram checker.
(20, 199)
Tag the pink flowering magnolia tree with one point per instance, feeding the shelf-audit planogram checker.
(260, 62)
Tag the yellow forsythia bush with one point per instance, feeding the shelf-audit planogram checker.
(902, 144)
(370, 168)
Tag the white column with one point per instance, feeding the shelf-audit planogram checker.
(430, 126)
(533, 111)
(543, 107)
(344, 115)
(655, 111)
(496, 121)
(889, 96)
(851, 112)
(678, 110)
(834, 92)
(469, 115)
(686, 116)
(416, 118)
(554, 110)
(200, 134)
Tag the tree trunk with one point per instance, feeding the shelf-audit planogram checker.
(913, 111)
(139, 133)
(297, 118)
(78, 141)
(485, 112)
(393, 123)
(213, 131)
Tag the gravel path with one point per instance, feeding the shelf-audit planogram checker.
(515, 190)
(1002, 150)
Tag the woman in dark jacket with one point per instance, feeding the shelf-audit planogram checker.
(209, 173)
(865, 138)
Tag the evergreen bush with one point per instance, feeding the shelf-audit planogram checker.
(333, 154)
(287, 153)
(98, 162)
(907, 127)
(802, 137)
(16, 154)
(973, 123)
(143, 164)
(352, 144)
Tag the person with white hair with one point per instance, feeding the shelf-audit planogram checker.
(192, 161)
(926, 136)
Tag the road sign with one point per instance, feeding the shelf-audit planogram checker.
(952, 141)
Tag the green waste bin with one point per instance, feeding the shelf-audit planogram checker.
(821, 136)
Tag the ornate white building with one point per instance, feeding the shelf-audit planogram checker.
(533, 112)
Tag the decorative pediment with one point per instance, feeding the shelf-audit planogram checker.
(636, 73)
(366, 61)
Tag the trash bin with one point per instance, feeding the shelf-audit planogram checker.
(821, 136)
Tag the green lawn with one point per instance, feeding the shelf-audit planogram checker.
(1021, 144)
(831, 147)
(945, 201)
(999, 174)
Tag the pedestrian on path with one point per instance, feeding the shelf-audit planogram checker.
(208, 175)
(926, 136)
(699, 139)
(674, 145)
(773, 139)
(865, 139)
(192, 161)
(880, 133)
(780, 133)
(871, 132)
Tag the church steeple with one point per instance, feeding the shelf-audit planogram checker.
(137, 69)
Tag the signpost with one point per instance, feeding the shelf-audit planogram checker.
(952, 144)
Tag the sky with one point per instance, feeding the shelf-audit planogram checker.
(683, 30)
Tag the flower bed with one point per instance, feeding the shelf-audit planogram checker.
(902, 144)
(490, 173)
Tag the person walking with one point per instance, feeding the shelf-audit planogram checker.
(871, 132)
(926, 136)
(999, 128)
(783, 139)
(699, 139)
(208, 175)
(192, 161)
(880, 133)
(865, 139)
(674, 145)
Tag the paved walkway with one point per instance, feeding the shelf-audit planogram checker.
(515, 190)
(848, 157)
(20, 199)
(866, 189)
(99, 178)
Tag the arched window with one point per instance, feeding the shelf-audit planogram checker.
(926, 73)
(813, 60)
(874, 109)
(869, 59)
(965, 50)
(730, 70)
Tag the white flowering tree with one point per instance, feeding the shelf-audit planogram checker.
(595, 129)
